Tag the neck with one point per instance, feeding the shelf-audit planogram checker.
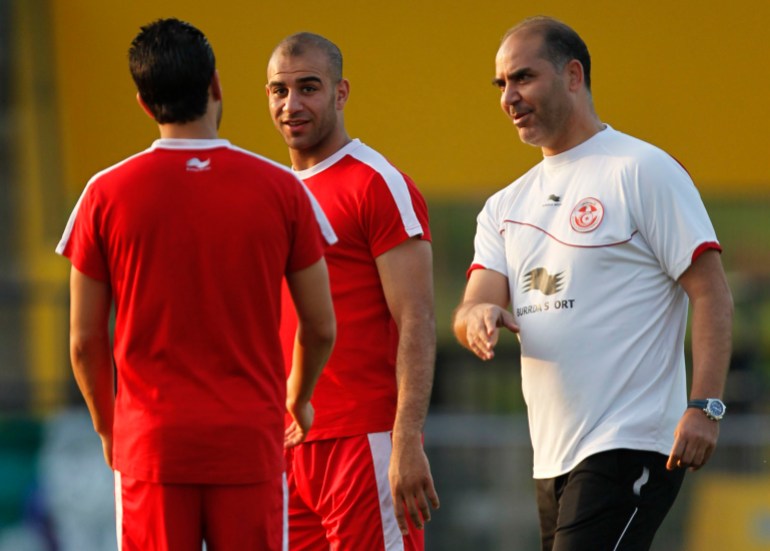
(582, 130)
(195, 130)
(204, 127)
(302, 159)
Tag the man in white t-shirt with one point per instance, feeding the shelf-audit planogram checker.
(597, 250)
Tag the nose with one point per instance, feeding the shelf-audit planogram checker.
(509, 96)
(292, 103)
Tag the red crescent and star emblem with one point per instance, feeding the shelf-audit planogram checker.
(587, 215)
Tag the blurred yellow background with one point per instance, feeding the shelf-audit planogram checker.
(692, 77)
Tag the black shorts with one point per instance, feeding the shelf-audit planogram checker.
(612, 501)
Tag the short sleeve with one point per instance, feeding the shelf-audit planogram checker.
(670, 214)
(393, 210)
(82, 242)
(489, 243)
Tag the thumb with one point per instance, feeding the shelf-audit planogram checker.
(509, 321)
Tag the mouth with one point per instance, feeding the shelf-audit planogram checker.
(520, 117)
(294, 124)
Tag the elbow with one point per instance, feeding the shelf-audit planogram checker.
(320, 335)
(327, 334)
(327, 329)
(84, 347)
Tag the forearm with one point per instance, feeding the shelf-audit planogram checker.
(316, 332)
(92, 367)
(311, 351)
(711, 344)
(415, 364)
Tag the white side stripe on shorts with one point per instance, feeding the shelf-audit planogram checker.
(119, 510)
(285, 545)
(381, 446)
(641, 481)
(625, 529)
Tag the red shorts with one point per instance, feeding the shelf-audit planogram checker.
(339, 497)
(179, 517)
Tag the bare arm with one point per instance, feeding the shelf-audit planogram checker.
(406, 272)
(482, 312)
(313, 345)
(90, 352)
(712, 314)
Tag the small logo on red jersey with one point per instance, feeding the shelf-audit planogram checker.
(196, 165)
(587, 215)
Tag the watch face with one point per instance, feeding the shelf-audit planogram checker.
(716, 408)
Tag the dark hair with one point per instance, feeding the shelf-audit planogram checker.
(299, 43)
(172, 64)
(561, 44)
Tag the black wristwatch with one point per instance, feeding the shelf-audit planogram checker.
(714, 408)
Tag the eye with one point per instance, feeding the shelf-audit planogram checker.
(309, 89)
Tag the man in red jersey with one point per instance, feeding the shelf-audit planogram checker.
(362, 476)
(190, 239)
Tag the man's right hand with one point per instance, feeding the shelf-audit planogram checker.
(482, 327)
(303, 419)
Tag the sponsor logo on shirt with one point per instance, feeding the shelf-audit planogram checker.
(196, 165)
(539, 279)
(552, 201)
(587, 215)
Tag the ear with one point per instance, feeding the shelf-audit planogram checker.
(144, 107)
(342, 92)
(574, 72)
(216, 87)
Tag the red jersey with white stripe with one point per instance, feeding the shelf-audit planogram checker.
(194, 238)
(372, 207)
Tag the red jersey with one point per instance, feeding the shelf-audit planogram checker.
(194, 238)
(372, 207)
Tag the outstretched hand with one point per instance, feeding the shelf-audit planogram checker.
(482, 328)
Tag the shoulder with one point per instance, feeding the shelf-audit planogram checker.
(505, 197)
(371, 158)
(376, 166)
(126, 166)
(109, 181)
(371, 177)
(261, 162)
(637, 152)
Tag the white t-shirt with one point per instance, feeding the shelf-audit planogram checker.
(592, 242)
